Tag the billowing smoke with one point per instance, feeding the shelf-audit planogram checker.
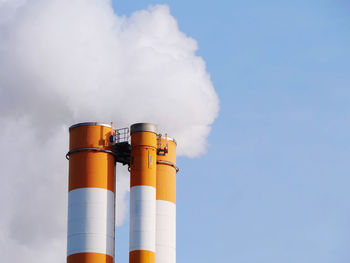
(64, 61)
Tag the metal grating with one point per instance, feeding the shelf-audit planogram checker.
(122, 135)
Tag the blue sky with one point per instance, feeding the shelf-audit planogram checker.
(273, 186)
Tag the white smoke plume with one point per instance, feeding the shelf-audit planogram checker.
(69, 61)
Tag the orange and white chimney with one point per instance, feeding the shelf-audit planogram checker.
(166, 202)
(91, 196)
(143, 168)
(93, 152)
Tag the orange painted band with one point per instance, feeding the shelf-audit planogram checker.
(94, 136)
(142, 256)
(148, 139)
(143, 166)
(91, 169)
(89, 258)
(166, 183)
(166, 174)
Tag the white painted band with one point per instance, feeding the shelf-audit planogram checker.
(166, 232)
(90, 221)
(142, 218)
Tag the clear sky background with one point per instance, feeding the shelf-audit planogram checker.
(274, 184)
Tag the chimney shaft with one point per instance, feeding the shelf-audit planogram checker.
(91, 196)
(143, 193)
(166, 204)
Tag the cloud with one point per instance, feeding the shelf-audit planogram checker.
(63, 62)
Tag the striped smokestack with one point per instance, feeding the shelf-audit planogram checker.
(166, 203)
(91, 194)
(143, 193)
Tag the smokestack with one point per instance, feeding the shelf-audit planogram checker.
(143, 193)
(166, 202)
(91, 194)
(94, 150)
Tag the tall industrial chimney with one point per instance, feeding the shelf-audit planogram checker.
(143, 193)
(94, 150)
(166, 202)
(91, 196)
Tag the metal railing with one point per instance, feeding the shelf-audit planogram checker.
(122, 135)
